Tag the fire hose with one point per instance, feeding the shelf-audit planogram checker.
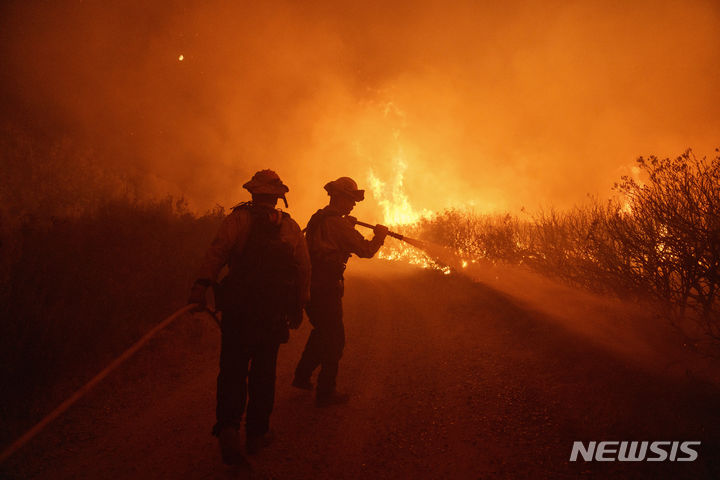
(439, 254)
(412, 241)
(60, 409)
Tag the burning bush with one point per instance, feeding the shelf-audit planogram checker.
(661, 238)
(671, 234)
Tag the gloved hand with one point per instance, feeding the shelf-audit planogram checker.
(295, 319)
(351, 219)
(380, 231)
(197, 295)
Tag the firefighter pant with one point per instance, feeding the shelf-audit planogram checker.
(325, 345)
(247, 377)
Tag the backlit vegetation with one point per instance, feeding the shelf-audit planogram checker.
(659, 237)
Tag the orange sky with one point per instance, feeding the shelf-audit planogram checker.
(526, 104)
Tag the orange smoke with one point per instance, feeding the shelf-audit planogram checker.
(489, 106)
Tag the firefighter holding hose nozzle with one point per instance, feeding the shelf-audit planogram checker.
(331, 239)
(261, 298)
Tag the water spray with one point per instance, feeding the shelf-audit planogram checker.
(440, 254)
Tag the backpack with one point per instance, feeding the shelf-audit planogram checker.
(261, 288)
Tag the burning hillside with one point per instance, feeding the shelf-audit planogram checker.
(657, 237)
(402, 217)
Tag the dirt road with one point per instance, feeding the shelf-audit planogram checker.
(450, 378)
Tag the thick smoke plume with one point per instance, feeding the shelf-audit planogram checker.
(520, 104)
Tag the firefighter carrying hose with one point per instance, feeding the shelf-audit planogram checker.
(260, 298)
(331, 239)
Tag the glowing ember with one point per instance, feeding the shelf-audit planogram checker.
(181, 57)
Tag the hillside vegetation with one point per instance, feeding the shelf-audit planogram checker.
(658, 238)
(87, 266)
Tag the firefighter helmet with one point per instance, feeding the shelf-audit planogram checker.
(345, 186)
(266, 182)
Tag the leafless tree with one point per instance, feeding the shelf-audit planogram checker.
(671, 233)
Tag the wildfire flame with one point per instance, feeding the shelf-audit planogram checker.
(398, 212)
(393, 200)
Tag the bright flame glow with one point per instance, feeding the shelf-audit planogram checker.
(626, 208)
(181, 57)
(397, 211)
(406, 253)
(392, 198)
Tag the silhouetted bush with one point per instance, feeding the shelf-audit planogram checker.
(671, 234)
(80, 289)
(88, 264)
(660, 239)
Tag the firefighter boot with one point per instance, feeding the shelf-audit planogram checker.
(255, 443)
(230, 447)
(331, 398)
(304, 384)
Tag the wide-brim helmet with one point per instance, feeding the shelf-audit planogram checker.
(266, 182)
(345, 186)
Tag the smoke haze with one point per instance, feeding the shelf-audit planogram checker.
(520, 104)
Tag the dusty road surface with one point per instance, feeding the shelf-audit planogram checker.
(450, 378)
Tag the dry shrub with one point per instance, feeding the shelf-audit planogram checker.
(661, 239)
(83, 288)
(671, 235)
(86, 268)
(487, 236)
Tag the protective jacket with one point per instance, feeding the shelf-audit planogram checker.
(269, 268)
(331, 240)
